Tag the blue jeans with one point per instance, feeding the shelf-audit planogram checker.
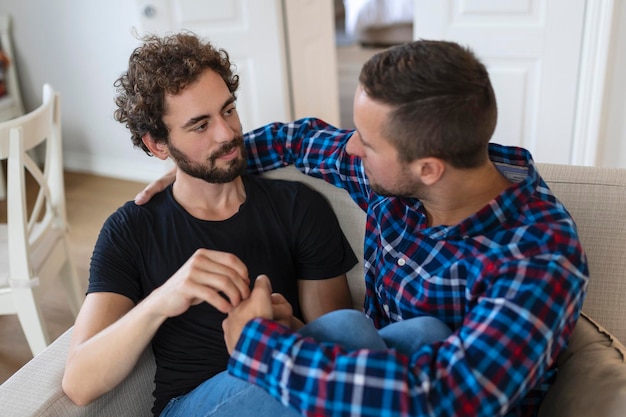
(225, 396)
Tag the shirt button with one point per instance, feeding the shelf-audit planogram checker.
(401, 262)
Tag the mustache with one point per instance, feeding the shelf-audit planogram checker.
(237, 142)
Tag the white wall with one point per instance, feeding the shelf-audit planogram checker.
(82, 46)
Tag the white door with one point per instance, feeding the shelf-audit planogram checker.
(279, 80)
(251, 31)
(532, 49)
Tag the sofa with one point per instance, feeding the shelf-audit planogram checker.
(592, 372)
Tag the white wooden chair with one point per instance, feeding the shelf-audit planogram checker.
(33, 243)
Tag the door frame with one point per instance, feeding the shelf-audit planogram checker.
(590, 100)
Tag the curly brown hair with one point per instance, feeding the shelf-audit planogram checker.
(160, 66)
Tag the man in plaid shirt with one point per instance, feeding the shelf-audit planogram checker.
(459, 231)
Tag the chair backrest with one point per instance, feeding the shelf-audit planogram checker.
(19, 139)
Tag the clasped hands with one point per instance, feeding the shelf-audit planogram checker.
(221, 279)
(261, 303)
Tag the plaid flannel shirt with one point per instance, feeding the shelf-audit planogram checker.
(509, 280)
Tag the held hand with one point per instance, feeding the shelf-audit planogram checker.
(155, 186)
(283, 312)
(219, 278)
(259, 304)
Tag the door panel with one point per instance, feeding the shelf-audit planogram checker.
(251, 31)
(532, 51)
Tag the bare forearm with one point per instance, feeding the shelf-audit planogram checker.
(318, 297)
(98, 364)
(111, 333)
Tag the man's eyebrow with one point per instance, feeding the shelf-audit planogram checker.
(195, 120)
(202, 117)
(230, 101)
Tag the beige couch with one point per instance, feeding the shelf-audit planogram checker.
(592, 376)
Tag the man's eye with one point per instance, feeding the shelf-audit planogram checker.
(201, 127)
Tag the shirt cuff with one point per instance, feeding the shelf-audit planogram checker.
(252, 357)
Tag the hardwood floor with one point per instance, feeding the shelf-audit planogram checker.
(90, 200)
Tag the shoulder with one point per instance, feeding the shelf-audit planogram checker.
(131, 214)
(543, 229)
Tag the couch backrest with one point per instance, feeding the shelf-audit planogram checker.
(596, 199)
(351, 218)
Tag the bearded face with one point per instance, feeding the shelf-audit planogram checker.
(213, 170)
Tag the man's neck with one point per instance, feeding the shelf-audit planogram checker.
(462, 193)
(207, 201)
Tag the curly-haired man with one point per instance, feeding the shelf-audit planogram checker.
(166, 273)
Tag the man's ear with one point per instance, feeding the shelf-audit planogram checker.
(428, 170)
(158, 149)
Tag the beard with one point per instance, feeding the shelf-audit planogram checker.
(399, 192)
(209, 172)
(402, 191)
(403, 187)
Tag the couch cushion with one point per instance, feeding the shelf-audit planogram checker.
(592, 376)
(35, 390)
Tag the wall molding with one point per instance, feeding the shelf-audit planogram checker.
(140, 168)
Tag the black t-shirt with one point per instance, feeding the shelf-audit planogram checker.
(283, 229)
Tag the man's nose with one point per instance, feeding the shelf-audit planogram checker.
(353, 147)
(224, 132)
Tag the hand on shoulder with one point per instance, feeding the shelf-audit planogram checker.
(155, 187)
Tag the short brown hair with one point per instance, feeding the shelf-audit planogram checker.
(444, 104)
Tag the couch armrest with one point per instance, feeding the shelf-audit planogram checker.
(35, 389)
(592, 376)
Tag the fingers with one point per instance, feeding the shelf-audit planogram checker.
(259, 304)
(263, 286)
(278, 298)
(218, 278)
(155, 187)
(226, 262)
(260, 298)
(282, 310)
(218, 275)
